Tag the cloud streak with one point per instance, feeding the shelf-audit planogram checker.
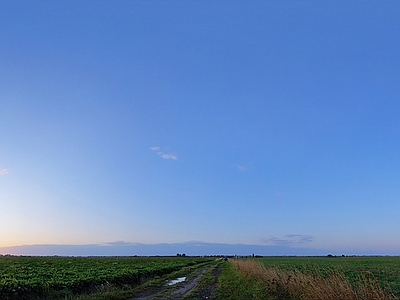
(4, 172)
(164, 155)
(289, 240)
(122, 248)
(241, 168)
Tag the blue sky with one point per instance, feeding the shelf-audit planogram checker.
(270, 123)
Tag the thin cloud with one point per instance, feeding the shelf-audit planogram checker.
(121, 248)
(167, 155)
(289, 240)
(4, 172)
(164, 155)
(243, 168)
(118, 243)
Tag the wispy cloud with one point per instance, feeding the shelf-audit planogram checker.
(118, 243)
(289, 240)
(243, 168)
(4, 172)
(164, 155)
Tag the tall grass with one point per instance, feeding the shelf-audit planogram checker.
(312, 284)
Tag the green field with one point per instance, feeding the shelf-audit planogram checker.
(311, 278)
(79, 278)
(63, 277)
(386, 270)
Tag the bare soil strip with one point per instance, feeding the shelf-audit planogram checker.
(208, 289)
(177, 291)
(185, 289)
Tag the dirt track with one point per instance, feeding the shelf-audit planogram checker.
(188, 289)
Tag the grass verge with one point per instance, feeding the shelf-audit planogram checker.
(234, 285)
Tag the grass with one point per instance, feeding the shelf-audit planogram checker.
(385, 270)
(262, 279)
(234, 285)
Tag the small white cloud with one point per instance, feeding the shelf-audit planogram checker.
(167, 156)
(163, 154)
(4, 172)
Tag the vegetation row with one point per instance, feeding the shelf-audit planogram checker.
(57, 278)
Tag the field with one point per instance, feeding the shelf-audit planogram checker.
(311, 278)
(63, 278)
(385, 270)
(93, 278)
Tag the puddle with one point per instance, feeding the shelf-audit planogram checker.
(175, 281)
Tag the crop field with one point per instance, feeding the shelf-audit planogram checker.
(123, 278)
(311, 278)
(66, 277)
(385, 270)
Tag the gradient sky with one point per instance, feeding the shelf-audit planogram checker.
(240, 122)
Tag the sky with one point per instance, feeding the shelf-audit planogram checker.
(272, 124)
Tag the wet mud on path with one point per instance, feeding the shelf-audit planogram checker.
(190, 288)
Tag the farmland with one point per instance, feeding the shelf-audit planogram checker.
(311, 278)
(79, 278)
(60, 278)
(386, 270)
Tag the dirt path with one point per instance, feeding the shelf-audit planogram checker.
(185, 288)
(208, 291)
(188, 286)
